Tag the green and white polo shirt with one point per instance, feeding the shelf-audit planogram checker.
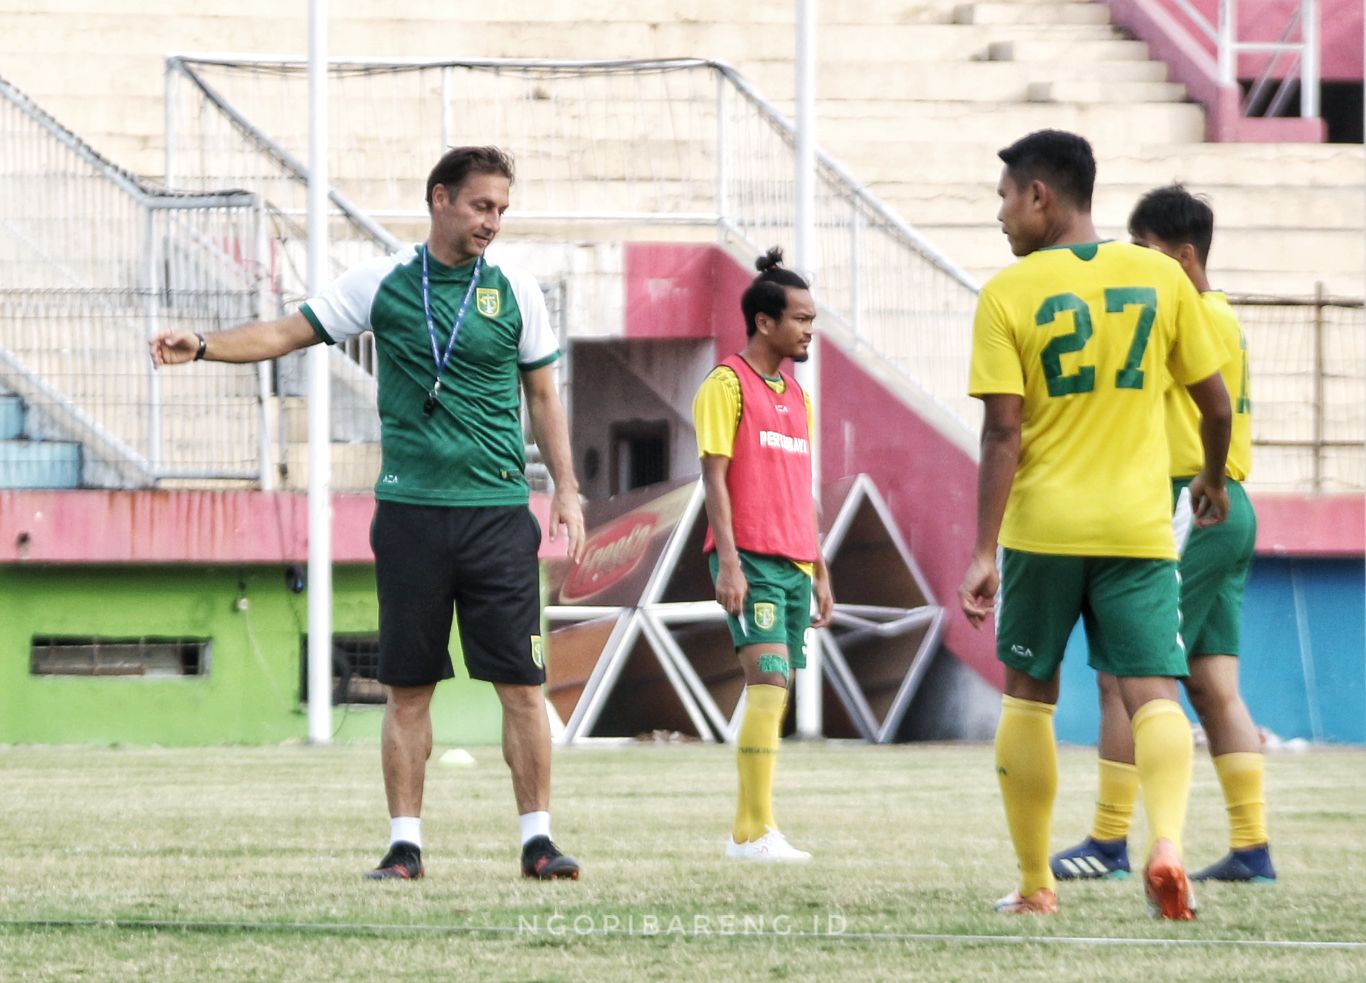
(469, 451)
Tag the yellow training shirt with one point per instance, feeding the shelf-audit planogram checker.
(716, 415)
(1183, 416)
(1088, 335)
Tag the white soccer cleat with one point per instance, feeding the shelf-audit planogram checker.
(772, 847)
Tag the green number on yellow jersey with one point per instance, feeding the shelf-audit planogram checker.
(1117, 299)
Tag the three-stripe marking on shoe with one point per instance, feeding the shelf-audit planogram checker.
(1087, 866)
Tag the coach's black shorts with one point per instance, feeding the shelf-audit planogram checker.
(480, 562)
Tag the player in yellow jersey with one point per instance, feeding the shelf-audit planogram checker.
(754, 437)
(1071, 349)
(1214, 569)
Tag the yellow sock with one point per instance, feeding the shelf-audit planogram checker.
(1115, 800)
(1163, 748)
(1027, 768)
(756, 758)
(1241, 777)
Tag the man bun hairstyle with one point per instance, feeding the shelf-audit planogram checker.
(768, 293)
(1175, 216)
(458, 163)
(1061, 160)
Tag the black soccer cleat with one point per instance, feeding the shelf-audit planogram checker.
(543, 860)
(403, 862)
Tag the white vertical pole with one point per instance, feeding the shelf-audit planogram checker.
(320, 397)
(722, 149)
(168, 121)
(1228, 38)
(263, 369)
(1309, 59)
(151, 310)
(809, 711)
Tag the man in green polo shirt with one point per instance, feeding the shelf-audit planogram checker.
(455, 336)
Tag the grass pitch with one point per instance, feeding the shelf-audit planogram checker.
(245, 864)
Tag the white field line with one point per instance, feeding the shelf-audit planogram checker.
(567, 929)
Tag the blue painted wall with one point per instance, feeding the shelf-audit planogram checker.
(1303, 662)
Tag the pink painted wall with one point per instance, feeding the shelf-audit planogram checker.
(1172, 39)
(930, 486)
(154, 527)
(684, 291)
(1263, 20)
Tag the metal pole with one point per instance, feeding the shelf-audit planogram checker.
(1309, 59)
(809, 690)
(447, 84)
(263, 369)
(722, 148)
(1319, 371)
(168, 121)
(319, 408)
(151, 311)
(1228, 42)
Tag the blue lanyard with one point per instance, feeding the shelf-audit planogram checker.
(438, 358)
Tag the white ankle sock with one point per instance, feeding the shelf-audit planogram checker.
(406, 828)
(534, 824)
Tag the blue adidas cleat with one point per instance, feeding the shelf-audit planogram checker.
(1251, 866)
(1092, 860)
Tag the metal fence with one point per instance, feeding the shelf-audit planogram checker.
(679, 149)
(667, 149)
(1308, 359)
(93, 261)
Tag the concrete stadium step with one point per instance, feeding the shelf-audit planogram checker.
(1031, 13)
(32, 464)
(12, 415)
(1109, 92)
(985, 81)
(843, 127)
(1053, 49)
(1123, 161)
(1246, 260)
(1292, 207)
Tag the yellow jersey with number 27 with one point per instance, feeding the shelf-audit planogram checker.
(1089, 335)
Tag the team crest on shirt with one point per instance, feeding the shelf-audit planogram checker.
(488, 301)
(538, 651)
(765, 615)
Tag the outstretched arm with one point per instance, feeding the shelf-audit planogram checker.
(551, 431)
(253, 342)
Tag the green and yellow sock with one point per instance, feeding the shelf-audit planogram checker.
(1027, 768)
(756, 759)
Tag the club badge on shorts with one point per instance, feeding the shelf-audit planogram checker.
(765, 615)
(537, 651)
(488, 301)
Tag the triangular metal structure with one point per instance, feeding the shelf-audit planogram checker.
(661, 626)
(887, 624)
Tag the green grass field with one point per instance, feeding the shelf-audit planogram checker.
(245, 864)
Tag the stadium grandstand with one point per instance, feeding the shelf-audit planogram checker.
(153, 173)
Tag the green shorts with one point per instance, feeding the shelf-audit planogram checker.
(1129, 607)
(1214, 568)
(777, 607)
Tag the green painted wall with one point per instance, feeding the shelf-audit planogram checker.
(251, 692)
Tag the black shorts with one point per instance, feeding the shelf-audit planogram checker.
(479, 562)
